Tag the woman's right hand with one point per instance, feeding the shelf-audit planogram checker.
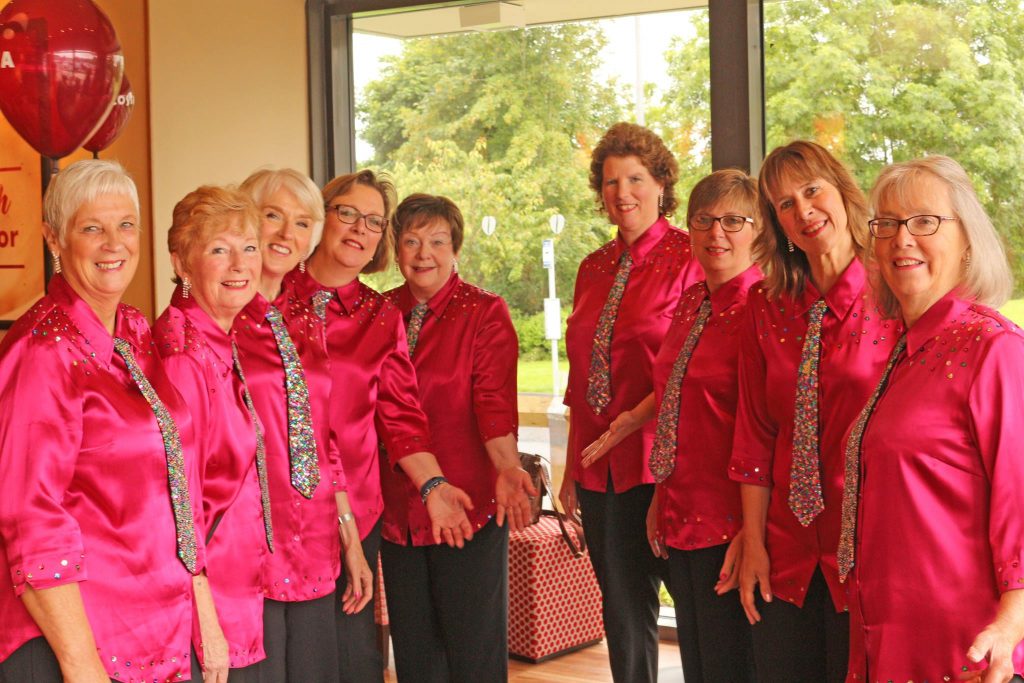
(654, 536)
(567, 497)
(446, 506)
(622, 426)
(215, 657)
(754, 571)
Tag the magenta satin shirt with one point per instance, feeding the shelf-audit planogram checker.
(84, 495)
(465, 362)
(197, 355)
(855, 346)
(663, 268)
(941, 515)
(699, 506)
(374, 396)
(307, 549)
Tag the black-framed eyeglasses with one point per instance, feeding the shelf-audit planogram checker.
(729, 222)
(919, 226)
(351, 215)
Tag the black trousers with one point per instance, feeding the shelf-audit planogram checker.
(359, 657)
(714, 636)
(629, 576)
(808, 644)
(34, 662)
(448, 609)
(300, 641)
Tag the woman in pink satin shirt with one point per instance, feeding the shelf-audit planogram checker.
(282, 345)
(625, 295)
(374, 398)
(813, 346)
(214, 248)
(939, 561)
(101, 529)
(448, 607)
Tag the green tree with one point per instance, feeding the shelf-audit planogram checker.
(503, 123)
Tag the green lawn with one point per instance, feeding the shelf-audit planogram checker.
(535, 375)
(1014, 310)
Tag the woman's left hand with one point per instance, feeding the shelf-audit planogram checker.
(729, 574)
(995, 645)
(512, 493)
(447, 507)
(360, 579)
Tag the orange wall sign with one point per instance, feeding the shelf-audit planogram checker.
(21, 240)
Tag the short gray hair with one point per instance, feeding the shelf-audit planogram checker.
(988, 279)
(82, 182)
(265, 182)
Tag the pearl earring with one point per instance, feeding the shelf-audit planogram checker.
(302, 266)
(789, 246)
(661, 200)
(56, 264)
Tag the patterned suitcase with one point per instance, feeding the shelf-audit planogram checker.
(554, 600)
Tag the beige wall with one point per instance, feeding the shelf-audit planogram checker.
(228, 94)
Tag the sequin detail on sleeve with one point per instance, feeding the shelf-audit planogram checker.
(304, 466)
(599, 379)
(181, 500)
(851, 479)
(663, 453)
(261, 452)
(805, 498)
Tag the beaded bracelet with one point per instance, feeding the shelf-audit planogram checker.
(429, 486)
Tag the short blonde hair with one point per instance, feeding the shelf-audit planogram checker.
(729, 184)
(988, 279)
(202, 214)
(265, 182)
(82, 182)
(787, 271)
(382, 183)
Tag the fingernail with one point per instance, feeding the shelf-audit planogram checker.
(723, 575)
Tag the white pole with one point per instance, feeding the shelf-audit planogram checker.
(554, 342)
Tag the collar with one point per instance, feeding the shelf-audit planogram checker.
(305, 286)
(643, 244)
(255, 310)
(94, 334)
(437, 303)
(934, 320)
(218, 340)
(841, 298)
(735, 290)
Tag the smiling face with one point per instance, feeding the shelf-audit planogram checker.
(348, 248)
(812, 215)
(224, 270)
(921, 269)
(426, 257)
(630, 195)
(723, 255)
(286, 230)
(101, 249)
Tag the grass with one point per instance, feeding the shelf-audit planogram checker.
(1014, 310)
(535, 375)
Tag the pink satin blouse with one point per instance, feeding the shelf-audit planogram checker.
(84, 494)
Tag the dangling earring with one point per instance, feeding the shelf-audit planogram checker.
(455, 265)
(302, 266)
(789, 245)
(967, 260)
(186, 287)
(56, 263)
(661, 200)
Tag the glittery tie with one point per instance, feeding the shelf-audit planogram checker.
(415, 326)
(805, 476)
(663, 453)
(305, 468)
(261, 451)
(181, 501)
(320, 300)
(851, 476)
(599, 381)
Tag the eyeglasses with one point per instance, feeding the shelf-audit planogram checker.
(920, 226)
(729, 223)
(350, 215)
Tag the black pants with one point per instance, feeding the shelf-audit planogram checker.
(629, 576)
(449, 609)
(34, 662)
(300, 641)
(809, 644)
(714, 636)
(359, 656)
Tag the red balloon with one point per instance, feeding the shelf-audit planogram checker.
(116, 120)
(60, 66)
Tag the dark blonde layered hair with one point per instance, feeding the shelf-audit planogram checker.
(628, 139)
(383, 185)
(203, 213)
(419, 209)
(728, 184)
(802, 161)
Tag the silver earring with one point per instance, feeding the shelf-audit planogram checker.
(455, 265)
(661, 200)
(789, 245)
(967, 260)
(56, 264)
(186, 287)
(302, 266)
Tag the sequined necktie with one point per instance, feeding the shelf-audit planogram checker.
(599, 381)
(415, 326)
(305, 468)
(181, 501)
(261, 451)
(851, 475)
(663, 453)
(320, 300)
(805, 497)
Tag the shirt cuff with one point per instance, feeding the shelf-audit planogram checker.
(407, 445)
(745, 471)
(47, 570)
(493, 426)
(1010, 574)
